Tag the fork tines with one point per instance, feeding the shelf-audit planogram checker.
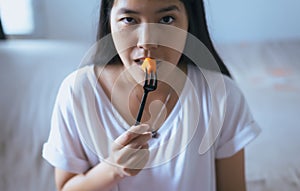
(151, 84)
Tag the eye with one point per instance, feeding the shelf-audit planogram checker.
(167, 20)
(128, 20)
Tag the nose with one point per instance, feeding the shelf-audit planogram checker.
(147, 37)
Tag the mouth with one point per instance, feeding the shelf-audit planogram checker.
(139, 62)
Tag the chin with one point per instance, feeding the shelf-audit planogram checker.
(136, 73)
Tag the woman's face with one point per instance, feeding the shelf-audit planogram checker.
(149, 28)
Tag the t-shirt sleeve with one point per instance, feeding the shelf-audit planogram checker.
(239, 127)
(63, 148)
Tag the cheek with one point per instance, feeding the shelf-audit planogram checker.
(125, 57)
(117, 38)
(122, 45)
(176, 55)
(123, 37)
(173, 37)
(171, 55)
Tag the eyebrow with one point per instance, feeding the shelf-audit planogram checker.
(127, 11)
(165, 9)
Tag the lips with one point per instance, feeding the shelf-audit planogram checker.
(139, 61)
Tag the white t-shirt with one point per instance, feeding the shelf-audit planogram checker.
(211, 120)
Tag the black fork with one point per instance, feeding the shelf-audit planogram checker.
(149, 86)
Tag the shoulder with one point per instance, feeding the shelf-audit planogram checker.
(220, 93)
(78, 79)
(80, 76)
(73, 84)
(216, 83)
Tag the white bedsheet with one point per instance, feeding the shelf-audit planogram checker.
(269, 75)
(30, 74)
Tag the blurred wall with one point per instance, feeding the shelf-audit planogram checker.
(67, 19)
(253, 20)
(229, 21)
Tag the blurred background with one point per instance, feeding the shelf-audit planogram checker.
(43, 41)
(230, 21)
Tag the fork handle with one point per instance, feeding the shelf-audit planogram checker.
(141, 109)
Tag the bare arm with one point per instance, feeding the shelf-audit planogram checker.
(101, 177)
(129, 155)
(231, 173)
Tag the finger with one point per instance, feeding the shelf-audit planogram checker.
(145, 146)
(139, 141)
(127, 154)
(130, 149)
(133, 158)
(138, 159)
(140, 129)
(131, 134)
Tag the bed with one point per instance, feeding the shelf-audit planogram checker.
(269, 74)
(30, 75)
(31, 72)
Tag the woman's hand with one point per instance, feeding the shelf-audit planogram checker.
(129, 153)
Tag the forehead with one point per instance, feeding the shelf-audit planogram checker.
(147, 4)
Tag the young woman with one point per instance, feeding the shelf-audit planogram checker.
(201, 120)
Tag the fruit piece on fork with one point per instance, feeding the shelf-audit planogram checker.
(150, 65)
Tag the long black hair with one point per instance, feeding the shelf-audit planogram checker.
(197, 27)
(2, 35)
